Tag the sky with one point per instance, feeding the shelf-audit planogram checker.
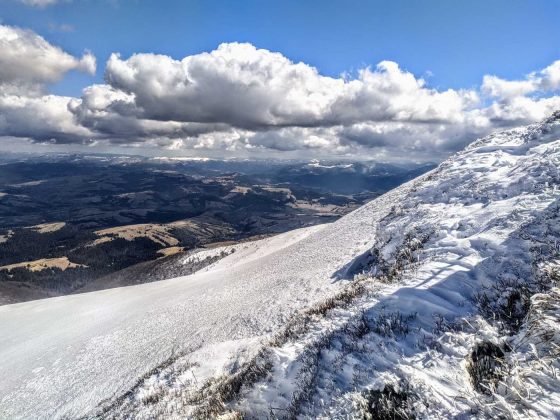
(387, 80)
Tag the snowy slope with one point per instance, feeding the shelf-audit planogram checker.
(63, 356)
(319, 322)
(469, 255)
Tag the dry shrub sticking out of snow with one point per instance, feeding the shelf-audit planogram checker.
(387, 269)
(393, 324)
(216, 393)
(392, 402)
(485, 366)
(533, 367)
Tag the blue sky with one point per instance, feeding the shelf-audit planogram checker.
(451, 43)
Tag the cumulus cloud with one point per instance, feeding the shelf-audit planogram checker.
(239, 98)
(252, 88)
(44, 118)
(27, 63)
(522, 101)
(550, 77)
(28, 59)
(236, 84)
(545, 80)
(506, 89)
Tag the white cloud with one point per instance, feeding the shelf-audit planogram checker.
(28, 59)
(523, 101)
(506, 89)
(238, 98)
(235, 84)
(521, 110)
(550, 77)
(545, 80)
(27, 63)
(246, 87)
(44, 118)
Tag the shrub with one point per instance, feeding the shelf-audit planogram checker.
(393, 324)
(390, 403)
(485, 365)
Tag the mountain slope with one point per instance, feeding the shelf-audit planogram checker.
(436, 299)
(63, 356)
(461, 314)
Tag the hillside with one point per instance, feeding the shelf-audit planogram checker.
(108, 213)
(437, 299)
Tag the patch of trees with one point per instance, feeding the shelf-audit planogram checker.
(28, 245)
(99, 259)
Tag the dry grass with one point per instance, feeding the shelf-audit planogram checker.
(157, 233)
(216, 393)
(393, 324)
(172, 250)
(393, 402)
(48, 227)
(62, 263)
(486, 366)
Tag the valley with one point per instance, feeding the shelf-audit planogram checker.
(102, 214)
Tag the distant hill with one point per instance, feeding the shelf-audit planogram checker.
(106, 213)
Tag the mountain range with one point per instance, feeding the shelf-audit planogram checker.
(69, 221)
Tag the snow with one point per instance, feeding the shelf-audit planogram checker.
(439, 258)
(492, 215)
(96, 345)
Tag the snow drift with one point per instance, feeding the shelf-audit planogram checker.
(437, 299)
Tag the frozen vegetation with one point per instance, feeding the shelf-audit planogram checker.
(439, 299)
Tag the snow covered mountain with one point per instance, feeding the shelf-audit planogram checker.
(437, 299)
